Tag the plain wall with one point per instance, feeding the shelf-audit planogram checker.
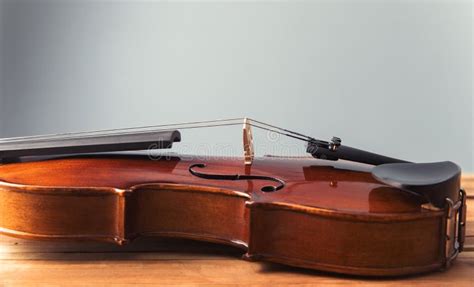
(393, 77)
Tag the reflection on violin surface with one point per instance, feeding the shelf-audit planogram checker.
(351, 190)
(321, 207)
(386, 199)
(342, 186)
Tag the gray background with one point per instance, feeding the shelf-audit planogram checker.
(389, 76)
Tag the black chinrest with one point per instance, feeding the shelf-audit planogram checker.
(436, 181)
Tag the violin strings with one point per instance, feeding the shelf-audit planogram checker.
(302, 137)
(147, 129)
(109, 131)
(279, 128)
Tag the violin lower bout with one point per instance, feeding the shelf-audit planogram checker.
(346, 243)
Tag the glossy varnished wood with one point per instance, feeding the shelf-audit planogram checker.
(342, 186)
(329, 216)
(152, 261)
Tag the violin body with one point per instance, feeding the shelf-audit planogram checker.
(331, 216)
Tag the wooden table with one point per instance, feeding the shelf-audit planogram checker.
(179, 262)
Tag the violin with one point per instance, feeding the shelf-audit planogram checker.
(339, 209)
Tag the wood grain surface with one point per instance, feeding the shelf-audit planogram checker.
(188, 263)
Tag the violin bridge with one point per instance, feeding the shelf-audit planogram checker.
(248, 142)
